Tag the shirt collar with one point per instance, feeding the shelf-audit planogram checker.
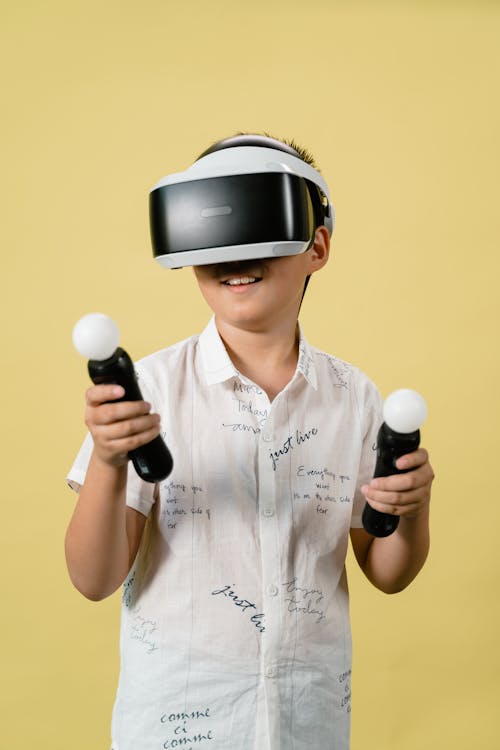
(216, 361)
(218, 366)
(306, 365)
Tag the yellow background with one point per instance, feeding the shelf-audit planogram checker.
(399, 102)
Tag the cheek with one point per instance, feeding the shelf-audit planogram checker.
(207, 292)
(203, 281)
(211, 293)
(289, 287)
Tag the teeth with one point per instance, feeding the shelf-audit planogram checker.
(241, 280)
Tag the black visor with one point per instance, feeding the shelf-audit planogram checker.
(230, 210)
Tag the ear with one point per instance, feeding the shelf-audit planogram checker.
(320, 250)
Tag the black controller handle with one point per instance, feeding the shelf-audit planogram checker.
(390, 446)
(153, 461)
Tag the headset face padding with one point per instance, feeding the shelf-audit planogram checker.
(244, 197)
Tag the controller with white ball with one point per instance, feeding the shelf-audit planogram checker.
(404, 412)
(96, 337)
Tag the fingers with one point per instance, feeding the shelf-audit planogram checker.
(99, 394)
(412, 460)
(126, 428)
(394, 502)
(118, 427)
(107, 414)
(403, 494)
(413, 479)
(114, 450)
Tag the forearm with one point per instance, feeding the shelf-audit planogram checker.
(97, 548)
(393, 562)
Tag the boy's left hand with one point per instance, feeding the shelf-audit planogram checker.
(403, 494)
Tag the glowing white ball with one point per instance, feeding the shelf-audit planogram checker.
(404, 410)
(96, 336)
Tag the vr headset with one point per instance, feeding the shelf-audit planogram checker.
(245, 197)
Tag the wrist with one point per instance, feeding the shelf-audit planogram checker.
(419, 515)
(104, 459)
(108, 473)
(415, 526)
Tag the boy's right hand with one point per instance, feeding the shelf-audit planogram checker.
(118, 428)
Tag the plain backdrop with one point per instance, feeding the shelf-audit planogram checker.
(398, 101)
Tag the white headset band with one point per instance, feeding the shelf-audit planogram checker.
(239, 160)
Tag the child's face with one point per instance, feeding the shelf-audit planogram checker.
(270, 291)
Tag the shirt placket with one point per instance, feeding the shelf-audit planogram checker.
(270, 557)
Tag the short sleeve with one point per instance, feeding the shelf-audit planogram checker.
(370, 406)
(140, 494)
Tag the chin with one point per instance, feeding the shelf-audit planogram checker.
(246, 318)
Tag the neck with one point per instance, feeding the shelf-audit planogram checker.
(267, 357)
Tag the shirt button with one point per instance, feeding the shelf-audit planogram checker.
(267, 437)
(271, 671)
(268, 512)
(272, 590)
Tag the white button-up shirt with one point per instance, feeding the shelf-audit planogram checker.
(235, 629)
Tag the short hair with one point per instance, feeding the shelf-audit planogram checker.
(302, 152)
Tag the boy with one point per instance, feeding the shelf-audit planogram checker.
(235, 627)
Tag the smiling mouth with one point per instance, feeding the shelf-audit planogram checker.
(240, 273)
(241, 281)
